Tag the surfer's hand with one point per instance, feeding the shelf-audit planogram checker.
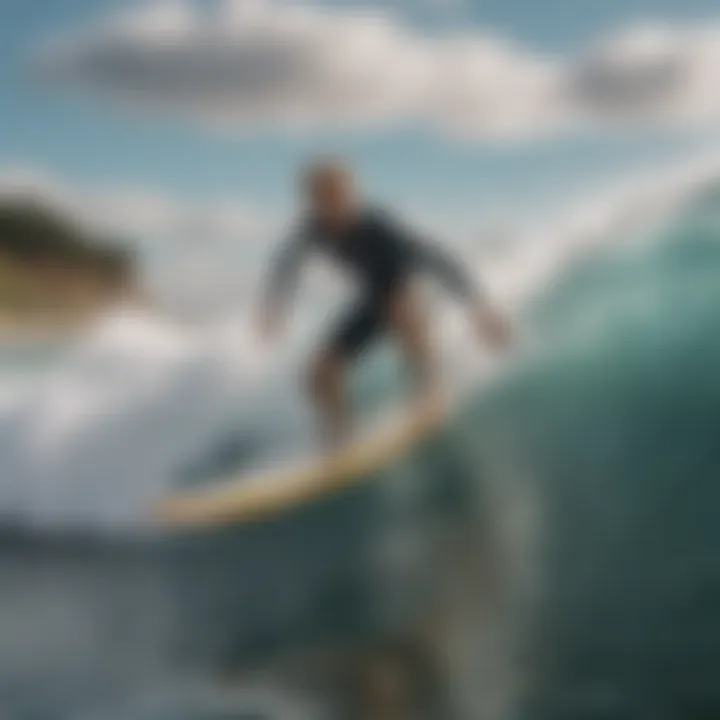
(493, 328)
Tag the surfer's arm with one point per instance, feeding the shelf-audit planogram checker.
(426, 256)
(282, 280)
(489, 323)
(448, 270)
(430, 257)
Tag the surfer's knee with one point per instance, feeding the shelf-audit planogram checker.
(325, 376)
(409, 321)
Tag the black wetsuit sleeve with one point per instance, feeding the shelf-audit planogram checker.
(428, 257)
(284, 268)
(437, 261)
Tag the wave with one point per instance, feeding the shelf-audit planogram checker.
(103, 433)
(594, 463)
(143, 403)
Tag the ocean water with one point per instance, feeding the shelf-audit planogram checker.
(552, 555)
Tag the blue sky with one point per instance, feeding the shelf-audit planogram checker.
(85, 139)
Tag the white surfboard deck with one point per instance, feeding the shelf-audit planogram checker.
(261, 496)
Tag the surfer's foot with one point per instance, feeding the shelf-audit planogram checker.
(397, 682)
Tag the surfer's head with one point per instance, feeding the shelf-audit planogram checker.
(329, 189)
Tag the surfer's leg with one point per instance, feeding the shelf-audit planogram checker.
(328, 394)
(409, 323)
(399, 679)
(328, 375)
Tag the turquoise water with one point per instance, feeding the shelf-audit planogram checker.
(565, 524)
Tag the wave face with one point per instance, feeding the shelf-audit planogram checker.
(616, 425)
(91, 438)
(564, 522)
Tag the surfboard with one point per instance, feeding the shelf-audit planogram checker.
(267, 494)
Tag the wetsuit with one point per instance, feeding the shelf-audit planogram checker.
(381, 255)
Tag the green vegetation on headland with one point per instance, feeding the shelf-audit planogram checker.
(53, 270)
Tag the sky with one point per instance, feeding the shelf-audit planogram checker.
(177, 119)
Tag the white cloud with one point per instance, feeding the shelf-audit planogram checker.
(135, 214)
(256, 63)
(650, 74)
(194, 255)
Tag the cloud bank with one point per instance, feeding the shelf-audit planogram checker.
(138, 215)
(196, 254)
(254, 64)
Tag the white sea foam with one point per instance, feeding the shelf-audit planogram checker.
(99, 436)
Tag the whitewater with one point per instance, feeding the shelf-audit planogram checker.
(97, 434)
(564, 521)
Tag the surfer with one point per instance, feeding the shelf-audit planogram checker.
(385, 258)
